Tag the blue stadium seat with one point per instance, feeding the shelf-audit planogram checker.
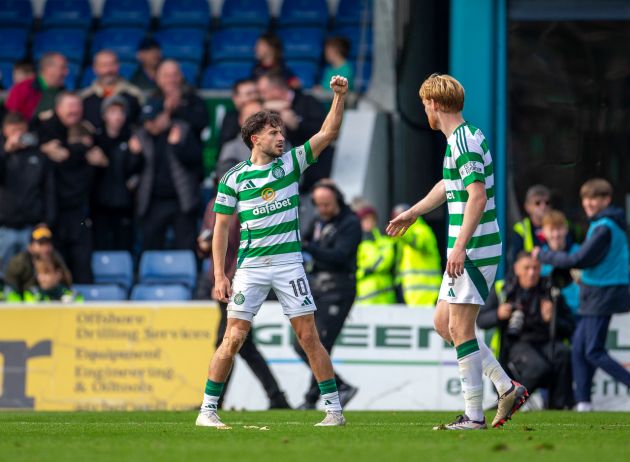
(302, 43)
(233, 44)
(100, 292)
(190, 71)
(16, 13)
(69, 42)
(131, 13)
(113, 267)
(303, 13)
(123, 41)
(362, 75)
(306, 71)
(67, 13)
(13, 43)
(251, 13)
(221, 76)
(185, 13)
(359, 45)
(354, 12)
(6, 74)
(160, 292)
(185, 44)
(168, 267)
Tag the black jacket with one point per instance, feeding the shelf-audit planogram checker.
(595, 301)
(27, 194)
(73, 177)
(110, 183)
(334, 245)
(192, 109)
(183, 162)
(534, 329)
(230, 128)
(93, 99)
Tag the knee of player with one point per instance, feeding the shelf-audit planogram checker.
(308, 339)
(232, 343)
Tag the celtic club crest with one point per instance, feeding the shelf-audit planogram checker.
(239, 298)
(277, 172)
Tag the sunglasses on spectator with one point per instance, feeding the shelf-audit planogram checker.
(542, 201)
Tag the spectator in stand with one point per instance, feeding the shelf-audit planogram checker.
(23, 70)
(302, 115)
(243, 92)
(108, 83)
(20, 275)
(376, 259)
(26, 187)
(336, 51)
(604, 259)
(180, 100)
(235, 150)
(37, 94)
(68, 141)
(556, 233)
(269, 59)
(50, 286)
(523, 312)
(418, 263)
(112, 195)
(528, 233)
(168, 192)
(149, 57)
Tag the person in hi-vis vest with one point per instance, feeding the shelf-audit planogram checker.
(418, 263)
(527, 233)
(376, 257)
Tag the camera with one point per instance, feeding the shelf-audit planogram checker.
(516, 322)
(28, 139)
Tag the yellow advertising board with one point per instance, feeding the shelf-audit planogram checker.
(105, 357)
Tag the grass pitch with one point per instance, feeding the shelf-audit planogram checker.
(369, 436)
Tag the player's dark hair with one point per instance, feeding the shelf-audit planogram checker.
(257, 122)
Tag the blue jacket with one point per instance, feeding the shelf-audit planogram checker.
(594, 254)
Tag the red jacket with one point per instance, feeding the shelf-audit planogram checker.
(24, 97)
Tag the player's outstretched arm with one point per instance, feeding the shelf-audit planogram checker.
(332, 123)
(436, 197)
(222, 289)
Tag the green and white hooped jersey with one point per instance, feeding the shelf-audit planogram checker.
(266, 199)
(468, 159)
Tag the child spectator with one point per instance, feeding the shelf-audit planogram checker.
(555, 228)
(23, 70)
(269, 59)
(336, 51)
(50, 286)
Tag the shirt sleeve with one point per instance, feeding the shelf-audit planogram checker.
(303, 155)
(226, 195)
(468, 158)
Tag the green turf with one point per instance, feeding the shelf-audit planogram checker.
(369, 436)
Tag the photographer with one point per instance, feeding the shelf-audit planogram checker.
(532, 347)
(26, 187)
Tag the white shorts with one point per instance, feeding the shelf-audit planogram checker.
(251, 286)
(472, 287)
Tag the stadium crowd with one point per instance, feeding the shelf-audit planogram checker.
(118, 165)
